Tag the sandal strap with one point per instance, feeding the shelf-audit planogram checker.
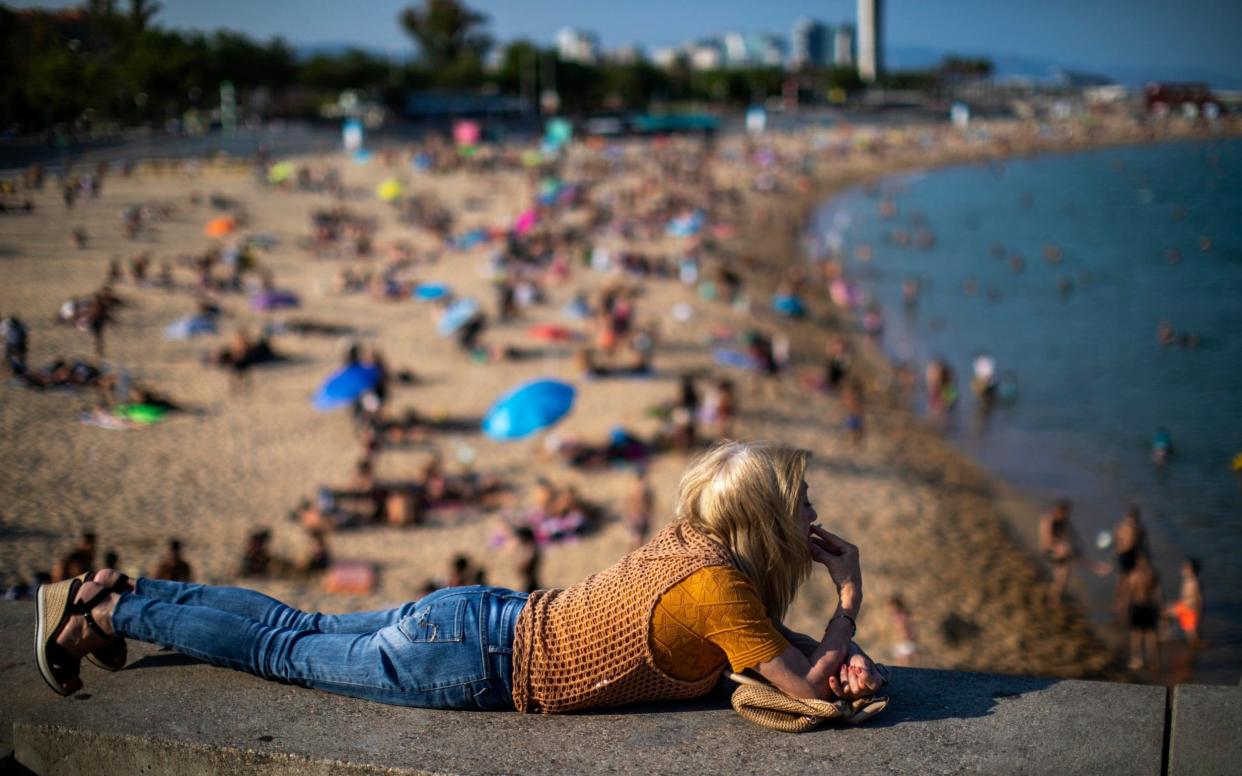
(84, 607)
(117, 587)
(90, 622)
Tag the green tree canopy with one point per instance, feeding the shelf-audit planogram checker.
(447, 31)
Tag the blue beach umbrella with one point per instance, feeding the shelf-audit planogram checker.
(456, 315)
(346, 386)
(788, 305)
(528, 408)
(427, 292)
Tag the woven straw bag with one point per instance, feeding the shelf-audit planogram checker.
(769, 707)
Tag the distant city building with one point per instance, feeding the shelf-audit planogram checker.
(707, 55)
(737, 51)
(667, 57)
(768, 49)
(628, 54)
(809, 44)
(843, 52)
(732, 49)
(494, 60)
(870, 39)
(1075, 79)
(577, 46)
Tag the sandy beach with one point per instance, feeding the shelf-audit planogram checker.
(931, 525)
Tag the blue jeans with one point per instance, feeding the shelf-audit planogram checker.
(451, 650)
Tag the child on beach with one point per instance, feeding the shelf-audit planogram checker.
(1188, 609)
(903, 650)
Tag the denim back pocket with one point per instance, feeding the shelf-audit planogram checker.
(441, 621)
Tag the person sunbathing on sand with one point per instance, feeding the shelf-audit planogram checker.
(743, 541)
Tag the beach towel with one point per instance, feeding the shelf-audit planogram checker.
(146, 414)
(350, 577)
(105, 421)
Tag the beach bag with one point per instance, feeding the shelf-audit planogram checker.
(769, 707)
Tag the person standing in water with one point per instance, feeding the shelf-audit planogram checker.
(1129, 542)
(1062, 546)
(1143, 601)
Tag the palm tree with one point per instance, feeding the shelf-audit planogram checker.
(446, 31)
(141, 13)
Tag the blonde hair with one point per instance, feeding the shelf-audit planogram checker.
(744, 495)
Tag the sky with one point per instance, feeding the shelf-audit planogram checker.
(1154, 38)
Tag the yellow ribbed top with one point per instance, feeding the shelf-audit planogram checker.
(709, 617)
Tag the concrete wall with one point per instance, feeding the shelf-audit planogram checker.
(167, 714)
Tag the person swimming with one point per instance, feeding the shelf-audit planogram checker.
(1161, 447)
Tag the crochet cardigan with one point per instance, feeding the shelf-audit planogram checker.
(588, 646)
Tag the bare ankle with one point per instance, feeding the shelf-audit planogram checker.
(102, 614)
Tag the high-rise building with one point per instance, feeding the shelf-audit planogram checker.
(737, 53)
(707, 55)
(843, 53)
(667, 56)
(809, 44)
(870, 40)
(628, 54)
(577, 46)
(768, 49)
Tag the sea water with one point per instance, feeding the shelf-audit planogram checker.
(1062, 269)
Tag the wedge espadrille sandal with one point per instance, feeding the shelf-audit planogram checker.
(55, 604)
(114, 655)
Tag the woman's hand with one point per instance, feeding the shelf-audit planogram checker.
(856, 678)
(841, 559)
(834, 650)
